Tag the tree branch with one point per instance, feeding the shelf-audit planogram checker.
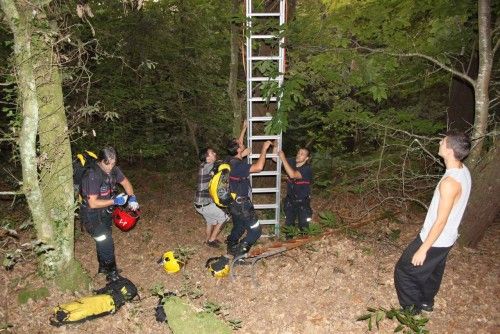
(10, 193)
(420, 55)
(495, 48)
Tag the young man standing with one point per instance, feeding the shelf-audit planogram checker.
(203, 203)
(241, 209)
(419, 271)
(98, 184)
(297, 204)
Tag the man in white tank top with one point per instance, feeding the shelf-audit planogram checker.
(419, 271)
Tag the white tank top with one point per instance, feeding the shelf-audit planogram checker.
(450, 232)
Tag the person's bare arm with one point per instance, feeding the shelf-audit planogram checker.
(243, 131)
(127, 186)
(290, 171)
(449, 190)
(95, 203)
(259, 164)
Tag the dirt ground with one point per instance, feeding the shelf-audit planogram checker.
(320, 288)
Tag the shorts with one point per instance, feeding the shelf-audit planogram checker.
(212, 214)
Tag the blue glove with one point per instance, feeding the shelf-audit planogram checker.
(132, 203)
(120, 199)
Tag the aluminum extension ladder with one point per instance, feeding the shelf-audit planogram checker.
(264, 49)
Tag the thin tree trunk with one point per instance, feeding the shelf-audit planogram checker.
(232, 88)
(21, 28)
(49, 193)
(481, 88)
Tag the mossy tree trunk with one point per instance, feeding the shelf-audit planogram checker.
(46, 165)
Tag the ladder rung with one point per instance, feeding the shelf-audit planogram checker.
(264, 58)
(268, 222)
(256, 156)
(262, 14)
(265, 173)
(261, 119)
(270, 137)
(263, 36)
(265, 206)
(263, 99)
(264, 190)
(265, 79)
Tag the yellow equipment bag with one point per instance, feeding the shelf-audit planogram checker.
(85, 308)
(218, 187)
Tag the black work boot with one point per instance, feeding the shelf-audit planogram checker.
(232, 248)
(241, 249)
(111, 272)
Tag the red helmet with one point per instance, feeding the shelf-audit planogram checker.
(125, 219)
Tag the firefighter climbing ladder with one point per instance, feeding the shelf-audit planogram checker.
(265, 67)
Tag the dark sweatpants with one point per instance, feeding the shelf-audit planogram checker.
(417, 285)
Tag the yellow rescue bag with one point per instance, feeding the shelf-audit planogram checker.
(85, 308)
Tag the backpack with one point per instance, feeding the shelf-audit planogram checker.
(218, 187)
(81, 164)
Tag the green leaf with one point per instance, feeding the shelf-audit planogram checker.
(399, 328)
(363, 317)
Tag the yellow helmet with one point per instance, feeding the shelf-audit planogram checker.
(218, 266)
(170, 263)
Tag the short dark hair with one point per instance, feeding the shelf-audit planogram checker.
(204, 154)
(106, 154)
(305, 149)
(459, 142)
(232, 147)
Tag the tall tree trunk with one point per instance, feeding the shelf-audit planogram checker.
(232, 88)
(21, 26)
(484, 203)
(47, 178)
(56, 177)
(481, 89)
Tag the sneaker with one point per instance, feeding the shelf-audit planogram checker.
(213, 244)
(411, 310)
(427, 307)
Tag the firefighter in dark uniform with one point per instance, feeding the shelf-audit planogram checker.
(297, 204)
(98, 184)
(241, 209)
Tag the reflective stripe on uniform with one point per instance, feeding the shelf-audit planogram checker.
(255, 225)
(100, 238)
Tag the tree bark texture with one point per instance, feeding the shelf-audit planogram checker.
(55, 151)
(20, 24)
(484, 202)
(481, 89)
(47, 177)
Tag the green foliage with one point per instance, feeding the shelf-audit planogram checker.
(35, 294)
(408, 321)
(158, 79)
